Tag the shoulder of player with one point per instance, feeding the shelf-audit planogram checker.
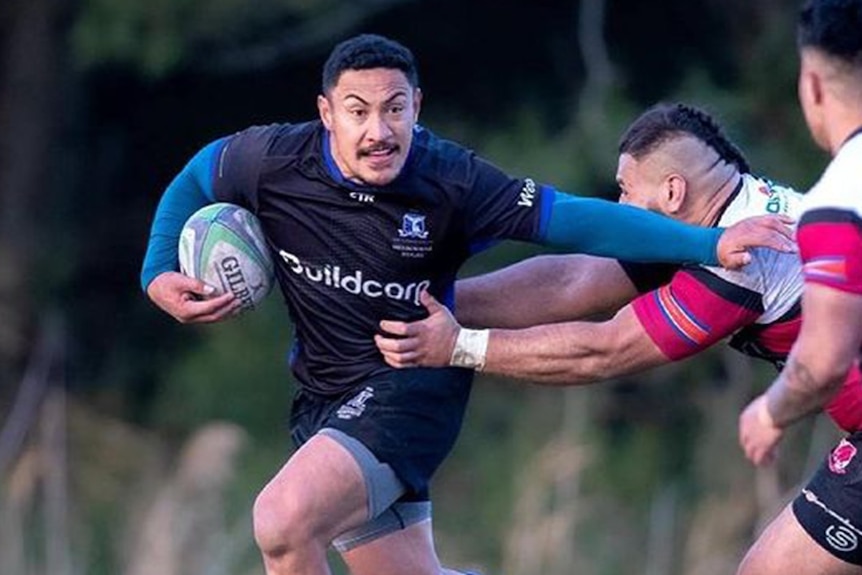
(279, 139)
(840, 185)
(446, 160)
(760, 196)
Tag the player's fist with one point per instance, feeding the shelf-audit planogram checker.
(189, 300)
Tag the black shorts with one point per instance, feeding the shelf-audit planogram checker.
(830, 506)
(408, 418)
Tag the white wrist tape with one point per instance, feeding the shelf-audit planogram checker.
(470, 349)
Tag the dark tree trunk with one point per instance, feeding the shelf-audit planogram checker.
(33, 34)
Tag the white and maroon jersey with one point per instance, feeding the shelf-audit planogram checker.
(830, 230)
(830, 243)
(758, 305)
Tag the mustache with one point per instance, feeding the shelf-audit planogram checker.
(381, 147)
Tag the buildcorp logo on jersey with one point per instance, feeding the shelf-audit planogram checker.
(355, 281)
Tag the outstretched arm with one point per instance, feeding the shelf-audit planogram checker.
(562, 354)
(680, 319)
(603, 228)
(543, 289)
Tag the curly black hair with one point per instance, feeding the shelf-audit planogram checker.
(367, 51)
(666, 121)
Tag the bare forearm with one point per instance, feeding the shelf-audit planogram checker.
(574, 353)
(542, 289)
(801, 389)
(827, 346)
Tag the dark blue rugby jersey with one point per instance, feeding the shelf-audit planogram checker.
(348, 256)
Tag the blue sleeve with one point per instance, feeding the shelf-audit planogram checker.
(604, 228)
(190, 190)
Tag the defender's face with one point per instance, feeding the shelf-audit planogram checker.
(370, 115)
(638, 185)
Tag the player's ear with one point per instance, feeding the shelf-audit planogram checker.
(325, 111)
(810, 86)
(675, 191)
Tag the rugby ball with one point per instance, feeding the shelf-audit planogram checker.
(223, 245)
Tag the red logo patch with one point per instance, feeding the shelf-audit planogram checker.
(841, 457)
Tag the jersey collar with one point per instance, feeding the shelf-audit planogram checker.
(852, 135)
(730, 199)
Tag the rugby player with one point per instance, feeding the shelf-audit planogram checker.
(363, 210)
(674, 159)
(821, 530)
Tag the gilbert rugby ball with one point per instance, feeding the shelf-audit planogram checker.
(223, 245)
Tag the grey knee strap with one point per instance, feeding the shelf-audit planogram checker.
(381, 484)
(397, 517)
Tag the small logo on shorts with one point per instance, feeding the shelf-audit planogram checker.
(356, 406)
(841, 457)
(842, 538)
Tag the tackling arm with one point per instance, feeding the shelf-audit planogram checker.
(543, 289)
(563, 354)
(574, 353)
(676, 321)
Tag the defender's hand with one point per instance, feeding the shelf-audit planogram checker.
(189, 300)
(754, 232)
(758, 434)
(424, 343)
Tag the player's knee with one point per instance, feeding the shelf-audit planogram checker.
(280, 522)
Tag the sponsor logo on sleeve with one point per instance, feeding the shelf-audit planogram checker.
(528, 194)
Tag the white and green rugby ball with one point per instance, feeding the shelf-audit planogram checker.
(223, 245)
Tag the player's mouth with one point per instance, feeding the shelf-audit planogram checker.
(379, 156)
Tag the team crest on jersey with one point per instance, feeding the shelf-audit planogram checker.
(413, 226)
(413, 239)
(841, 457)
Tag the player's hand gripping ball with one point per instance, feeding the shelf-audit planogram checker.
(223, 245)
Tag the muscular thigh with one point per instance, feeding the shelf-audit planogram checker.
(819, 533)
(322, 484)
(784, 547)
